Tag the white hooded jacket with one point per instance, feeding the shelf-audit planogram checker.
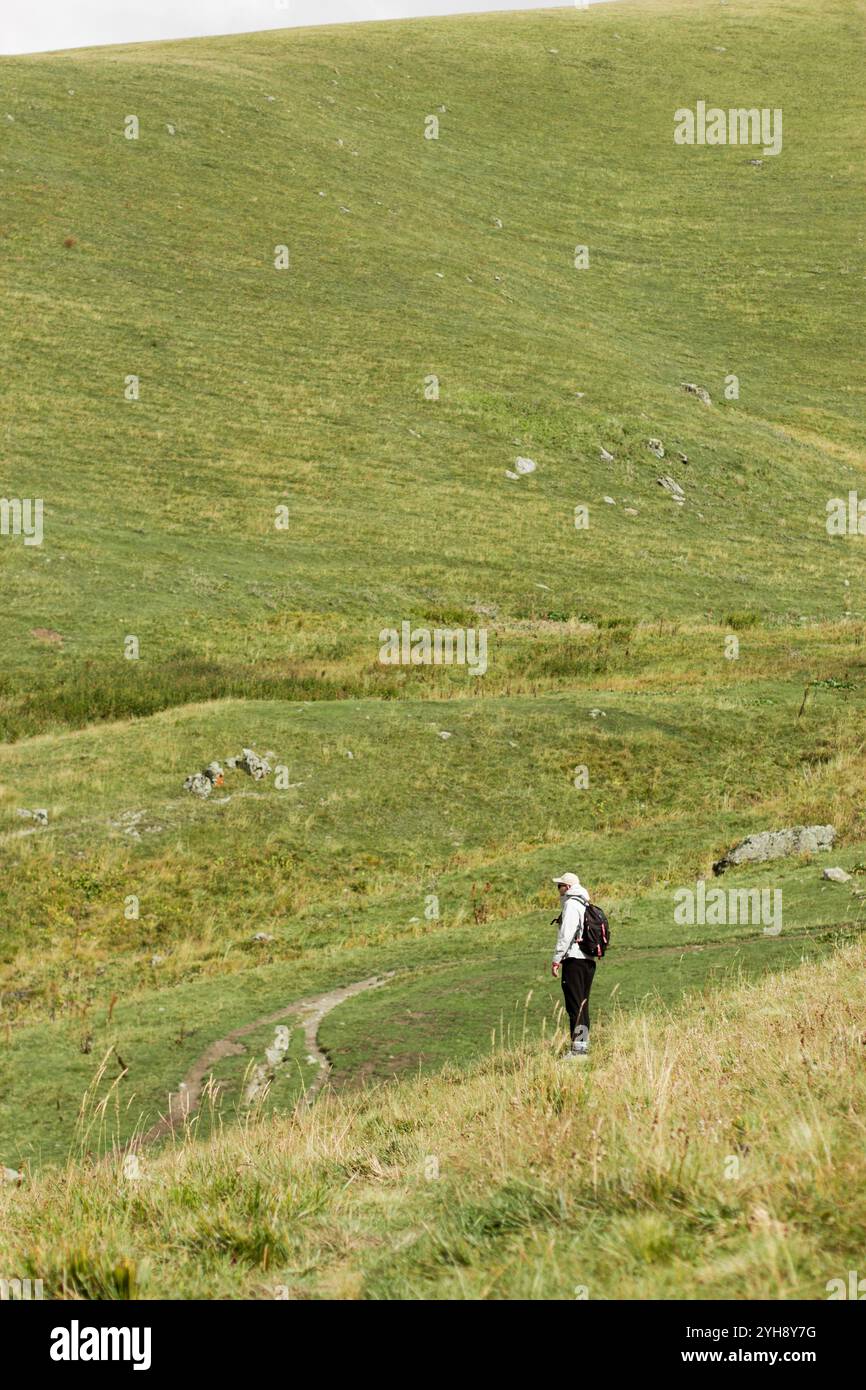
(573, 912)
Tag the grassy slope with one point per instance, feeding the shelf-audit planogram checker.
(674, 778)
(720, 1156)
(260, 387)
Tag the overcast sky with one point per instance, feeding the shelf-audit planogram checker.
(34, 26)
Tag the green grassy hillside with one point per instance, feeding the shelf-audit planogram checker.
(305, 387)
(717, 1155)
(153, 941)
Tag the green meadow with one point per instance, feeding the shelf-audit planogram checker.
(250, 474)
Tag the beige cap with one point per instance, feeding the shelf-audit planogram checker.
(570, 879)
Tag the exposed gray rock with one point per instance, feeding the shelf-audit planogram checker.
(13, 1175)
(700, 391)
(605, 456)
(672, 486)
(776, 844)
(199, 784)
(40, 817)
(263, 936)
(202, 783)
(836, 875)
(251, 762)
(657, 447)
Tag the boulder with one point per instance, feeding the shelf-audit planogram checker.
(836, 875)
(672, 486)
(251, 763)
(199, 784)
(657, 447)
(700, 391)
(776, 844)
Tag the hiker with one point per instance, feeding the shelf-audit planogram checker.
(577, 969)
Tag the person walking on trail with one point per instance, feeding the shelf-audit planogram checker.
(577, 968)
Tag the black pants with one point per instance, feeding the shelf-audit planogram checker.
(577, 977)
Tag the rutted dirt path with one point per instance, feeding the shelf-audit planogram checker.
(309, 1012)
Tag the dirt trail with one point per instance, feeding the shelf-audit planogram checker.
(309, 1012)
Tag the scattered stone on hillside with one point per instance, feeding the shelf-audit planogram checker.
(157, 960)
(199, 784)
(836, 875)
(497, 222)
(672, 486)
(215, 773)
(597, 714)
(263, 936)
(605, 456)
(776, 844)
(757, 162)
(609, 500)
(443, 733)
(251, 762)
(40, 816)
(15, 1175)
(630, 511)
(525, 465)
(700, 391)
(657, 447)
(683, 458)
(171, 129)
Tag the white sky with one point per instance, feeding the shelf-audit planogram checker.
(36, 26)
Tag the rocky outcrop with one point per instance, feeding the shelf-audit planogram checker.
(776, 844)
(700, 391)
(202, 783)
